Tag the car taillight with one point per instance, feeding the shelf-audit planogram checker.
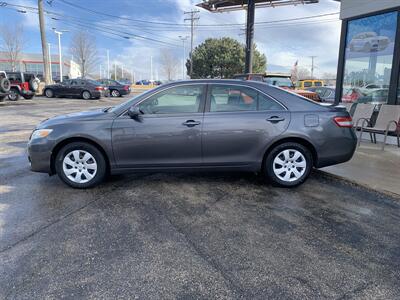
(126, 87)
(99, 88)
(343, 121)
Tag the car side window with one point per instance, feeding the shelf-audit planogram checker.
(180, 99)
(267, 103)
(73, 83)
(226, 98)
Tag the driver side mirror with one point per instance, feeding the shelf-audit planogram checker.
(134, 112)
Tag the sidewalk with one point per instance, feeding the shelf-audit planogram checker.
(373, 168)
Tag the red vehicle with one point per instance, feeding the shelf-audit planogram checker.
(352, 95)
(22, 84)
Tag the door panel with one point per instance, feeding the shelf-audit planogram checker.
(167, 134)
(240, 137)
(157, 141)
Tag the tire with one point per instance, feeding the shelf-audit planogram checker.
(75, 171)
(5, 85)
(28, 97)
(49, 93)
(115, 93)
(14, 95)
(86, 95)
(282, 167)
(34, 84)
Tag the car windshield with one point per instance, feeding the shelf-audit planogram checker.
(279, 81)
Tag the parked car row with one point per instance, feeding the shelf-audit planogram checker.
(86, 89)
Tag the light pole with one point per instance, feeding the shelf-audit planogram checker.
(183, 39)
(59, 33)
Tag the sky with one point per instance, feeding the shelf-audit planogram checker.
(154, 27)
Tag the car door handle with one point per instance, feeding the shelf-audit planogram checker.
(191, 123)
(275, 119)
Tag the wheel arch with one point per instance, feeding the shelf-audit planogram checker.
(67, 141)
(300, 140)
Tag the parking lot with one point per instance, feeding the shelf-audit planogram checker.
(186, 236)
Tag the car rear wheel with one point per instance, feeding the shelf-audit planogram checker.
(13, 95)
(288, 164)
(115, 93)
(28, 97)
(49, 93)
(80, 165)
(86, 95)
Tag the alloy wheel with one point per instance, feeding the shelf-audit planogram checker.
(115, 93)
(289, 165)
(79, 166)
(86, 95)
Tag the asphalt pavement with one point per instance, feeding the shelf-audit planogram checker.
(186, 236)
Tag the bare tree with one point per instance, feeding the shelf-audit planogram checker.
(12, 42)
(303, 73)
(170, 64)
(83, 48)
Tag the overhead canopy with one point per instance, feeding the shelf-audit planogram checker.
(229, 5)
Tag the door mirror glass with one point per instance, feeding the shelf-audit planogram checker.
(134, 112)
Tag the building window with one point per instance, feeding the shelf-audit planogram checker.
(368, 58)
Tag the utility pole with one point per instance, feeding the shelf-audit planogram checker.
(312, 65)
(122, 71)
(193, 18)
(101, 73)
(44, 43)
(183, 39)
(108, 64)
(51, 72)
(115, 70)
(251, 9)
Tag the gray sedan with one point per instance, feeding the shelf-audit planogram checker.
(212, 125)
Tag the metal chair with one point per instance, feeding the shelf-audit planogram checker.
(363, 112)
(387, 122)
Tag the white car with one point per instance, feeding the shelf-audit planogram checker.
(368, 42)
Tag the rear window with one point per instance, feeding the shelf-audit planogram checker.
(279, 81)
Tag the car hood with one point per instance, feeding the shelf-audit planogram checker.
(91, 115)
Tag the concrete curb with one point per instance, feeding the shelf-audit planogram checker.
(358, 184)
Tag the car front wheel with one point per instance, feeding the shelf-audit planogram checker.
(80, 165)
(288, 164)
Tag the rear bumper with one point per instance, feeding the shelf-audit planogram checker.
(337, 151)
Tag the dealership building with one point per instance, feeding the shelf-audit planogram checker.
(33, 63)
(369, 56)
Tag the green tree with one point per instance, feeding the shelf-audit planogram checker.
(222, 58)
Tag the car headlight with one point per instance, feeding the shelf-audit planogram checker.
(40, 133)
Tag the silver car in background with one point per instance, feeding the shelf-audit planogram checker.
(211, 125)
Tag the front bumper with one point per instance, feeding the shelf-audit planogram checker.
(39, 155)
